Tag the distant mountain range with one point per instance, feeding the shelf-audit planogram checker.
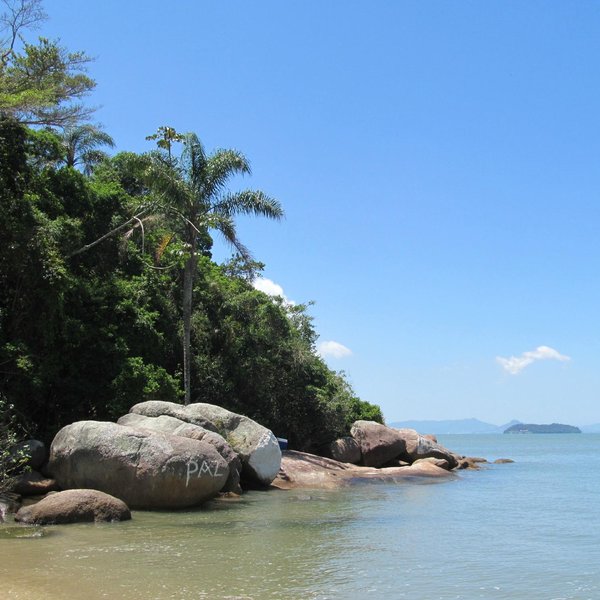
(453, 426)
(468, 426)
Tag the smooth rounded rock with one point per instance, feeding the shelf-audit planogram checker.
(174, 426)
(145, 469)
(74, 506)
(419, 446)
(345, 449)
(256, 445)
(378, 444)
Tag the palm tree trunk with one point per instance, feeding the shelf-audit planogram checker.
(188, 287)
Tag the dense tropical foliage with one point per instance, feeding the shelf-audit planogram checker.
(98, 268)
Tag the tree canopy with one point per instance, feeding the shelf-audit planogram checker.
(41, 83)
(89, 334)
(106, 272)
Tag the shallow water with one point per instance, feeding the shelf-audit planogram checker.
(528, 530)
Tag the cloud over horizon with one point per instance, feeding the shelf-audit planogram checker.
(269, 287)
(515, 364)
(331, 349)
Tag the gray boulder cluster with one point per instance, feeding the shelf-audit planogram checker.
(163, 455)
(159, 456)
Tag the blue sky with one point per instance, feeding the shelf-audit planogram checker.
(439, 167)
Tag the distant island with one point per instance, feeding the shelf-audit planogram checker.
(452, 426)
(553, 428)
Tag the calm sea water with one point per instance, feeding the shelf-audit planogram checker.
(528, 530)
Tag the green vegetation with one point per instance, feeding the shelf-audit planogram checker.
(12, 459)
(40, 83)
(99, 267)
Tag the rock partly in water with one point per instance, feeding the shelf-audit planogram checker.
(256, 445)
(9, 503)
(145, 469)
(503, 461)
(378, 444)
(174, 426)
(34, 483)
(345, 449)
(74, 506)
(303, 470)
(438, 462)
(419, 446)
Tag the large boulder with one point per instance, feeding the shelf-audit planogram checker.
(74, 506)
(145, 469)
(174, 426)
(378, 444)
(256, 445)
(345, 450)
(419, 446)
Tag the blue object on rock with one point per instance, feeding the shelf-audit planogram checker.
(283, 444)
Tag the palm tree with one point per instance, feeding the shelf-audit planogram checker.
(82, 143)
(193, 189)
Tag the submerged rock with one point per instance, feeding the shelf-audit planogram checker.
(74, 506)
(256, 445)
(145, 469)
(174, 426)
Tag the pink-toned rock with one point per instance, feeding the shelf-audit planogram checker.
(442, 463)
(418, 446)
(345, 449)
(378, 444)
(303, 470)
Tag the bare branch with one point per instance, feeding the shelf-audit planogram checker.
(18, 15)
(135, 217)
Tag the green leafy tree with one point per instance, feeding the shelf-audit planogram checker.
(12, 459)
(41, 83)
(82, 145)
(193, 188)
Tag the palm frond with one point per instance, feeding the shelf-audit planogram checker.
(226, 227)
(166, 240)
(220, 167)
(193, 159)
(248, 202)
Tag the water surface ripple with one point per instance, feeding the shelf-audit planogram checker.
(528, 530)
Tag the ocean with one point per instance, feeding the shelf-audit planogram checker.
(528, 530)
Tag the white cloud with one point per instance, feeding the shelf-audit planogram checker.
(270, 288)
(331, 349)
(515, 364)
